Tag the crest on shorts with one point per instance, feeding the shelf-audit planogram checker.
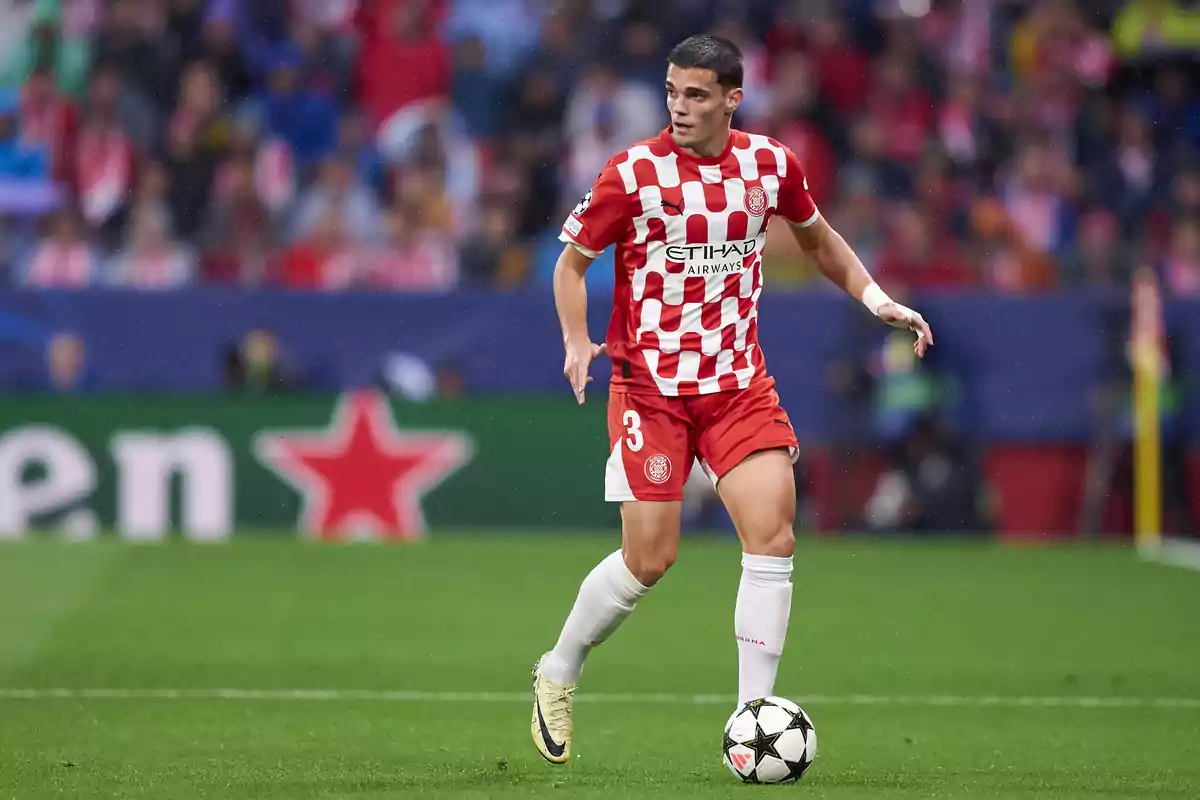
(583, 204)
(658, 468)
(756, 201)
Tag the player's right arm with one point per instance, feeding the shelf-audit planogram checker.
(570, 298)
(595, 224)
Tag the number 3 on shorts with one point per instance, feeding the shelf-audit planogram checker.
(633, 424)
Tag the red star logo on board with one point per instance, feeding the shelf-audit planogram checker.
(362, 476)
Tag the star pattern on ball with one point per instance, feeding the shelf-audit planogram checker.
(800, 722)
(796, 768)
(763, 744)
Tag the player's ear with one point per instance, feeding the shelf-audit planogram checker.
(733, 99)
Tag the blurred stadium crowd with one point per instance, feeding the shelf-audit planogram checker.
(424, 145)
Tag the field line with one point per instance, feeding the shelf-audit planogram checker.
(415, 696)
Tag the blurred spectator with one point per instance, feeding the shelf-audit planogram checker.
(916, 258)
(491, 256)
(126, 42)
(604, 115)
(430, 137)
(969, 136)
(67, 368)
(1172, 108)
(256, 365)
(102, 168)
(151, 259)
(327, 60)
(63, 259)
(1182, 264)
(1131, 182)
(262, 166)
(508, 29)
(48, 121)
(252, 122)
(843, 69)
(476, 92)
(338, 191)
(189, 178)
(903, 108)
(19, 160)
(305, 119)
(1005, 261)
(216, 43)
(1037, 198)
(53, 34)
(415, 255)
(322, 258)
(353, 143)
(127, 110)
(797, 120)
(1099, 259)
(402, 59)
(201, 108)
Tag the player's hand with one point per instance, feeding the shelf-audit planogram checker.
(575, 369)
(899, 316)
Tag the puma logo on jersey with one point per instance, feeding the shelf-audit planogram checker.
(669, 205)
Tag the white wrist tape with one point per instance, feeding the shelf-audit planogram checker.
(874, 298)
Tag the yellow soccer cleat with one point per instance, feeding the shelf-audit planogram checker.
(551, 725)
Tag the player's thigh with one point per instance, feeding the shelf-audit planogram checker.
(747, 446)
(651, 440)
(650, 537)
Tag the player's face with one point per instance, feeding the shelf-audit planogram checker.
(700, 108)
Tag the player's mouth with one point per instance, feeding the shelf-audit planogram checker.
(682, 127)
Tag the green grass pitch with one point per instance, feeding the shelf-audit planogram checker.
(931, 670)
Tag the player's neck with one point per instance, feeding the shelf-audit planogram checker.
(712, 148)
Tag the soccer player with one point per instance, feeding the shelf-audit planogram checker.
(687, 212)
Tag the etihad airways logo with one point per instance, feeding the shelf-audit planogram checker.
(712, 259)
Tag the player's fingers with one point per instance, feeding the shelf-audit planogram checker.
(922, 343)
(924, 329)
(599, 349)
(578, 380)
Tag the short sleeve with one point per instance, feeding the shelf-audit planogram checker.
(795, 203)
(601, 216)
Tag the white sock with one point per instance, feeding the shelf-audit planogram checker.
(607, 595)
(760, 620)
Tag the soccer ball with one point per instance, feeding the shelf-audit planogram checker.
(769, 740)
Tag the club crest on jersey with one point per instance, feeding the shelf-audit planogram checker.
(756, 201)
(658, 468)
(583, 204)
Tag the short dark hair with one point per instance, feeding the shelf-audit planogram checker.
(710, 52)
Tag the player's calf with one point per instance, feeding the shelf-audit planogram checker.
(761, 497)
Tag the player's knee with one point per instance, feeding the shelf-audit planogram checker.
(778, 541)
(648, 566)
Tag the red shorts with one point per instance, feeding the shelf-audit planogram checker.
(654, 439)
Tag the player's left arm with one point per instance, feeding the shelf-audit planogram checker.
(837, 261)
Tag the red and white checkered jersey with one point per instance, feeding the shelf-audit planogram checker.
(689, 234)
